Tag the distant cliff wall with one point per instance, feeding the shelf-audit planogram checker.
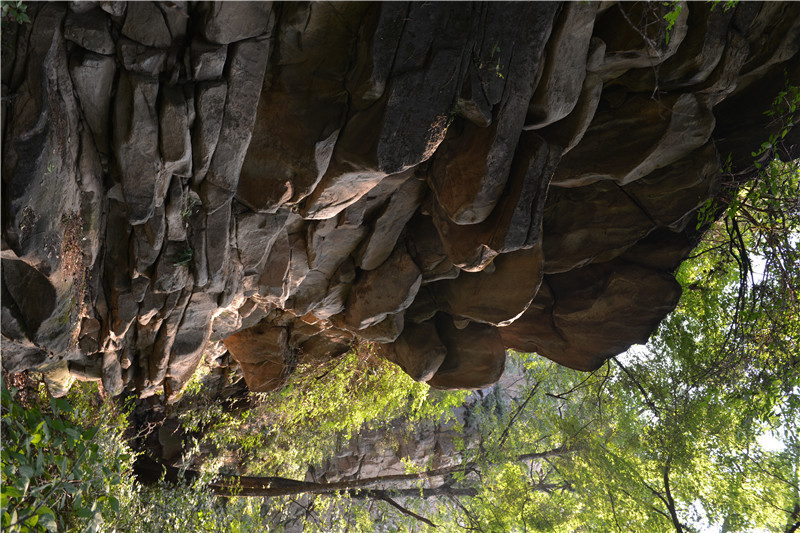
(445, 179)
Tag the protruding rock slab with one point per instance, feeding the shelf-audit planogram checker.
(263, 353)
(418, 351)
(387, 290)
(582, 317)
(498, 297)
(471, 168)
(475, 356)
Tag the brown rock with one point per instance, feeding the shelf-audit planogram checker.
(582, 317)
(387, 290)
(588, 224)
(225, 23)
(516, 220)
(564, 67)
(90, 30)
(499, 297)
(418, 351)
(661, 139)
(296, 129)
(470, 170)
(475, 356)
(262, 352)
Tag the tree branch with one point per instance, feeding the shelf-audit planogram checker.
(381, 495)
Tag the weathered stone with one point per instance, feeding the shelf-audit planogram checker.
(93, 76)
(255, 235)
(176, 15)
(225, 23)
(338, 290)
(159, 361)
(210, 104)
(387, 330)
(145, 24)
(661, 139)
(112, 374)
(31, 291)
(262, 352)
(640, 44)
(172, 270)
(114, 8)
(588, 224)
(418, 351)
(58, 379)
(329, 243)
(295, 129)
(470, 170)
(308, 207)
(271, 281)
(141, 59)
(390, 223)
(136, 144)
(389, 289)
(148, 238)
(516, 220)
(90, 30)
(217, 241)
(177, 210)
(569, 131)
(248, 63)
(670, 195)
(426, 248)
(433, 41)
(322, 347)
(207, 60)
(475, 356)
(564, 68)
(190, 339)
(696, 57)
(176, 116)
(582, 317)
(499, 297)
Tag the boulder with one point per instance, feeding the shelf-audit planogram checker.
(224, 23)
(582, 317)
(475, 356)
(384, 291)
(418, 351)
(263, 353)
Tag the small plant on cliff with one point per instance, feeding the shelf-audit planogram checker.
(184, 257)
(15, 11)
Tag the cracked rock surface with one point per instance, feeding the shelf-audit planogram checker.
(267, 182)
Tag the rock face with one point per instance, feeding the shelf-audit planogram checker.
(445, 179)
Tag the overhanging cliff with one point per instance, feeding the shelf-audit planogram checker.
(444, 179)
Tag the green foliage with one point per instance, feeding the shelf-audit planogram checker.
(671, 16)
(322, 406)
(58, 473)
(15, 11)
(726, 4)
(184, 257)
(177, 508)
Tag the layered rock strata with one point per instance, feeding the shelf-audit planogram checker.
(447, 180)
